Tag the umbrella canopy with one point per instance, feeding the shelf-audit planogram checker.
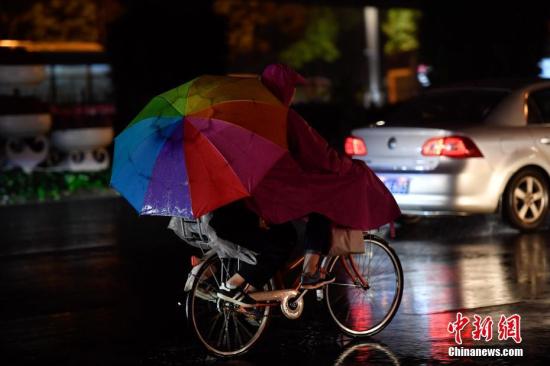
(218, 139)
(200, 146)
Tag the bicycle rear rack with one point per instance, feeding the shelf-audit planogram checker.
(196, 237)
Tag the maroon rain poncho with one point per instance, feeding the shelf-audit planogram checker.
(315, 177)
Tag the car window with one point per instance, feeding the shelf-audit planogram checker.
(541, 98)
(464, 106)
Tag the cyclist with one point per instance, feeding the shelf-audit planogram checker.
(281, 80)
(317, 181)
(236, 223)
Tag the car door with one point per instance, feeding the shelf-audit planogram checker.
(538, 120)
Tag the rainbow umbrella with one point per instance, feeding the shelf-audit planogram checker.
(199, 146)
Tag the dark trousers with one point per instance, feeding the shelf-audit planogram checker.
(274, 247)
(318, 234)
(276, 244)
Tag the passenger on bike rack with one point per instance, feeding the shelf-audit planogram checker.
(238, 224)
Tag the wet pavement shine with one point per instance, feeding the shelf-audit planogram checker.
(91, 283)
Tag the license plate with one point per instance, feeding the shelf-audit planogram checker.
(399, 185)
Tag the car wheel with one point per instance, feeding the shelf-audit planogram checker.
(526, 200)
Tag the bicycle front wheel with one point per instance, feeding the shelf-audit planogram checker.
(368, 288)
(223, 328)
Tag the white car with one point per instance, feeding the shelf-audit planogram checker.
(480, 148)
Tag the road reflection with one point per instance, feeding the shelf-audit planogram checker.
(531, 264)
(100, 285)
(366, 353)
(475, 274)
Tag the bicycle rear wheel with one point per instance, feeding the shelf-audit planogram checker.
(224, 329)
(368, 288)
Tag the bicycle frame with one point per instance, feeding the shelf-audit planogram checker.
(282, 294)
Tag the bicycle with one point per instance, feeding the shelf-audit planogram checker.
(362, 300)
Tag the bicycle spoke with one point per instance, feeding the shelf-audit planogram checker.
(348, 313)
(237, 333)
(220, 335)
(344, 285)
(370, 259)
(222, 330)
(218, 317)
(222, 279)
(360, 311)
(226, 330)
(214, 277)
(244, 328)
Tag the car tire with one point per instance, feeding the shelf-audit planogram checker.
(525, 200)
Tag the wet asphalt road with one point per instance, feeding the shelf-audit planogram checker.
(89, 283)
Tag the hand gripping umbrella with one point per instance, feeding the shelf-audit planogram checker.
(200, 146)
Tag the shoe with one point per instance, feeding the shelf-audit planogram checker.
(313, 281)
(236, 296)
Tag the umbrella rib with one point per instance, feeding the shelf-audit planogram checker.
(220, 155)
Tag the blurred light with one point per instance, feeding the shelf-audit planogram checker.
(423, 68)
(451, 146)
(100, 69)
(374, 93)
(380, 123)
(70, 46)
(355, 146)
(422, 72)
(544, 65)
(9, 43)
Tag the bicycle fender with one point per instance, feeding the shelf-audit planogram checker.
(193, 274)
